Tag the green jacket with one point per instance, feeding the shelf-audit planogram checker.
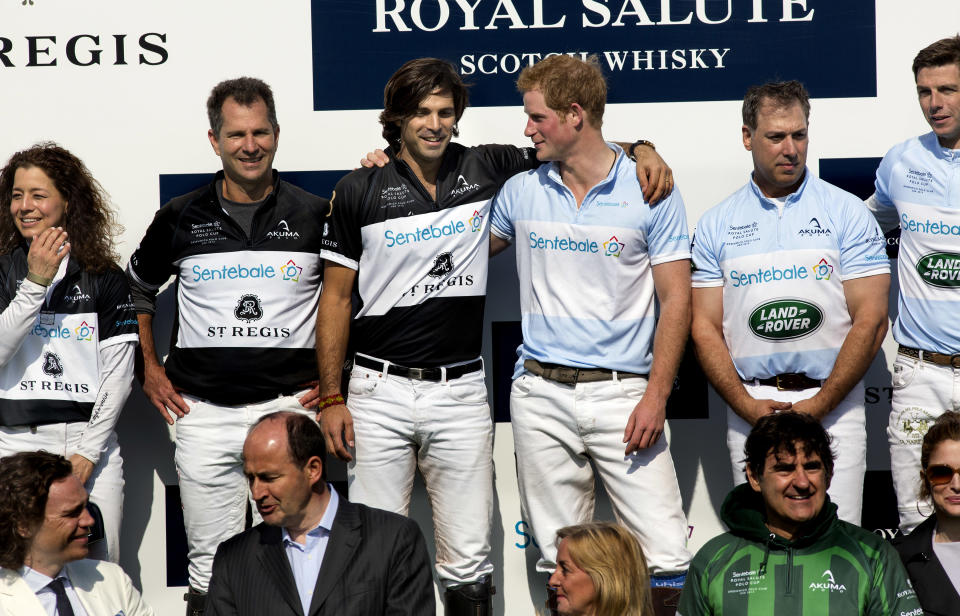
(831, 568)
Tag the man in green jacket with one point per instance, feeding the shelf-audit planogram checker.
(787, 553)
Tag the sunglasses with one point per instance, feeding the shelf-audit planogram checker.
(940, 474)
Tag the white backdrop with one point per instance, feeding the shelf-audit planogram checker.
(131, 122)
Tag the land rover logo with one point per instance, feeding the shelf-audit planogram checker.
(940, 269)
(785, 319)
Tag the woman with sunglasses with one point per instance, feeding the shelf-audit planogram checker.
(931, 553)
(68, 326)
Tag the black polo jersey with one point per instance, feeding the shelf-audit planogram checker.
(421, 262)
(246, 306)
(55, 374)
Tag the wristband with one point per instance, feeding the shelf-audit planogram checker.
(40, 280)
(333, 400)
(633, 147)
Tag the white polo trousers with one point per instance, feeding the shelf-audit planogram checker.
(558, 430)
(213, 490)
(921, 393)
(445, 429)
(105, 485)
(846, 425)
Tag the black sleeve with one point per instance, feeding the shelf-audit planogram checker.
(151, 264)
(342, 232)
(115, 311)
(507, 160)
(144, 299)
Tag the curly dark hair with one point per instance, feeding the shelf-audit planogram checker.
(783, 433)
(413, 82)
(88, 220)
(25, 480)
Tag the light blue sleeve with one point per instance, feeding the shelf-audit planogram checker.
(667, 235)
(706, 257)
(862, 243)
(881, 186)
(503, 208)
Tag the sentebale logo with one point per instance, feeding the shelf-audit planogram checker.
(785, 319)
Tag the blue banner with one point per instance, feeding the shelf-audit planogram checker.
(650, 50)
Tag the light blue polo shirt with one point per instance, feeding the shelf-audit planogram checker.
(919, 180)
(586, 287)
(782, 273)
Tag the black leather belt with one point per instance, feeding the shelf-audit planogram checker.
(420, 374)
(789, 381)
(571, 376)
(940, 359)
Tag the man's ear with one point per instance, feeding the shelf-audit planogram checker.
(747, 138)
(213, 141)
(576, 116)
(314, 469)
(752, 479)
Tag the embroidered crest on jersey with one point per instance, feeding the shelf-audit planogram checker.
(52, 366)
(442, 265)
(248, 308)
(395, 196)
(918, 181)
(206, 233)
(741, 235)
(940, 269)
(785, 319)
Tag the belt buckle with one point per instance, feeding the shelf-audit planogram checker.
(416, 373)
(955, 360)
(780, 385)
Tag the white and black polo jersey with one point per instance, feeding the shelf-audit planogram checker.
(421, 263)
(246, 306)
(54, 376)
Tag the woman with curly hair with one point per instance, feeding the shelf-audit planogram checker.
(931, 553)
(601, 571)
(69, 328)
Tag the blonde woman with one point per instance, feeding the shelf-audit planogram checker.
(601, 571)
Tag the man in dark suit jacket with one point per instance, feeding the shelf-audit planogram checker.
(315, 554)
